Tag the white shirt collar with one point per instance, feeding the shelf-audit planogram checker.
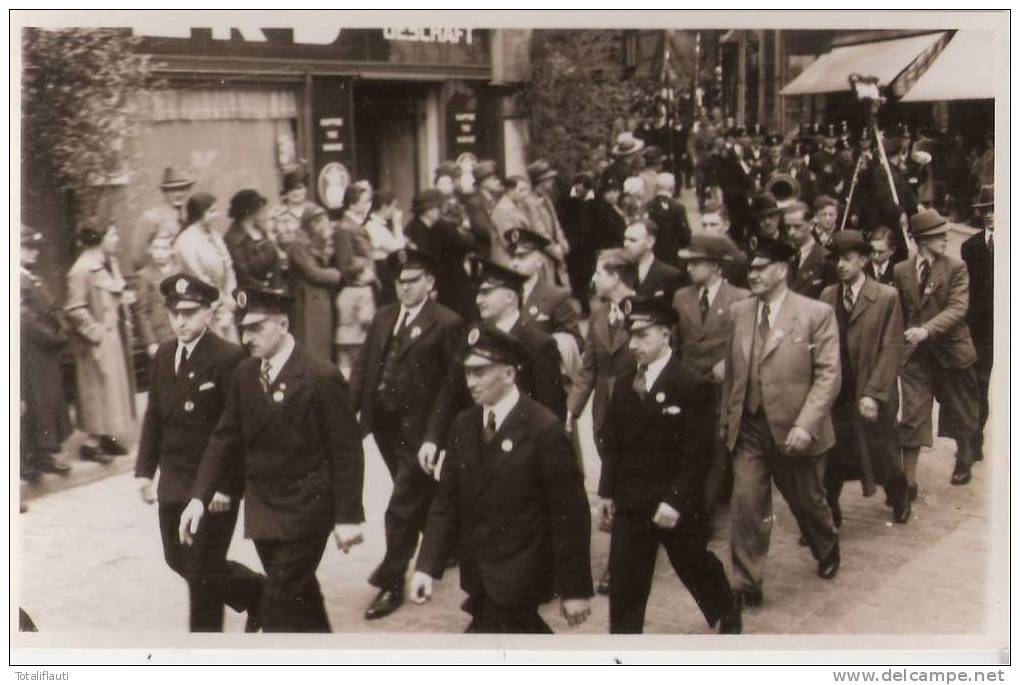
(411, 313)
(774, 307)
(654, 369)
(277, 361)
(880, 267)
(856, 286)
(529, 287)
(502, 408)
(805, 250)
(190, 347)
(645, 265)
(507, 324)
(713, 290)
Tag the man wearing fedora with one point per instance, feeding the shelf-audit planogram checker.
(658, 446)
(781, 378)
(704, 327)
(769, 216)
(167, 217)
(545, 220)
(188, 387)
(511, 497)
(940, 355)
(404, 385)
(626, 154)
(289, 423)
(671, 218)
(978, 253)
(870, 325)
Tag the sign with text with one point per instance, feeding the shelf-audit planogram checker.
(462, 125)
(332, 137)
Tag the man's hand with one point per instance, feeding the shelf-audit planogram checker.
(576, 611)
(147, 491)
(421, 587)
(190, 518)
(666, 516)
(916, 335)
(797, 440)
(606, 511)
(347, 535)
(428, 455)
(868, 408)
(219, 504)
(151, 349)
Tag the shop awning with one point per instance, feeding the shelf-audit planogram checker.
(883, 59)
(964, 70)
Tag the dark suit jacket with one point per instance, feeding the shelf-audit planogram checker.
(541, 378)
(799, 372)
(182, 412)
(300, 446)
(606, 357)
(661, 281)
(811, 277)
(548, 307)
(659, 449)
(887, 275)
(607, 225)
(941, 308)
(427, 371)
(674, 231)
(515, 508)
(874, 340)
(980, 267)
(703, 345)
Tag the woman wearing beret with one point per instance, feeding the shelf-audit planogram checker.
(204, 254)
(96, 292)
(255, 256)
(313, 282)
(45, 421)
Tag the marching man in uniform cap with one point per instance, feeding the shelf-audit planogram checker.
(500, 293)
(939, 360)
(512, 495)
(289, 421)
(782, 377)
(188, 387)
(871, 348)
(406, 385)
(658, 449)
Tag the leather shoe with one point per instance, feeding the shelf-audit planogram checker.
(253, 623)
(901, 511)
(732, 623)
(961, 474)
(385, 603)
(603, 585)
(750, 599)
(112, 446)
(829, 566)
(92, 453)
(53, 465)
(837, 514)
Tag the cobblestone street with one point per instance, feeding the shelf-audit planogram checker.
(91, 560)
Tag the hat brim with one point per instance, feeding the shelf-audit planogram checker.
(981, 205)
(691, 255)
(178, 304)
(759, 262)
(545, 176)
(617, 151)
(176, 185)
(942, 229)
(251, 318)
(477, 361)
(864, 249)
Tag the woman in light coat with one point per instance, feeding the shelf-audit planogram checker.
(97, 296)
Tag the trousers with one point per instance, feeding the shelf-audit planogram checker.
(292, 600)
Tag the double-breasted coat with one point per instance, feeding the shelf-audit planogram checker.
(43, 342)
(517, 507)
(300, 447)
(93, 306)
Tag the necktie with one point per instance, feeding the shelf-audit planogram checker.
(991, 245)
(703, 305)
(489, 430)
(641, 381)
(615, 315)
(264, 375)
(183, 360)
(848, 300)
(925, 273)
(763, 324)
(401, 324)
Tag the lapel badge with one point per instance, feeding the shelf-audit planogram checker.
(283, 386)
(660, 397)
(507, 445)
(191, 375)
(473, 336)
(189, 406)
(533, 310)
(278, 396)
(415, 332)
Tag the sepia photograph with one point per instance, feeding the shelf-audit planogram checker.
(408, 332)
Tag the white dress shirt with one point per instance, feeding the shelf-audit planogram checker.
(276, 362)
(713, 290)
(190, 347)
(502, 408)
(655, 369)
(644, 266)
(774, 308)
(506, 324)
(411, 314)
(880, 269)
